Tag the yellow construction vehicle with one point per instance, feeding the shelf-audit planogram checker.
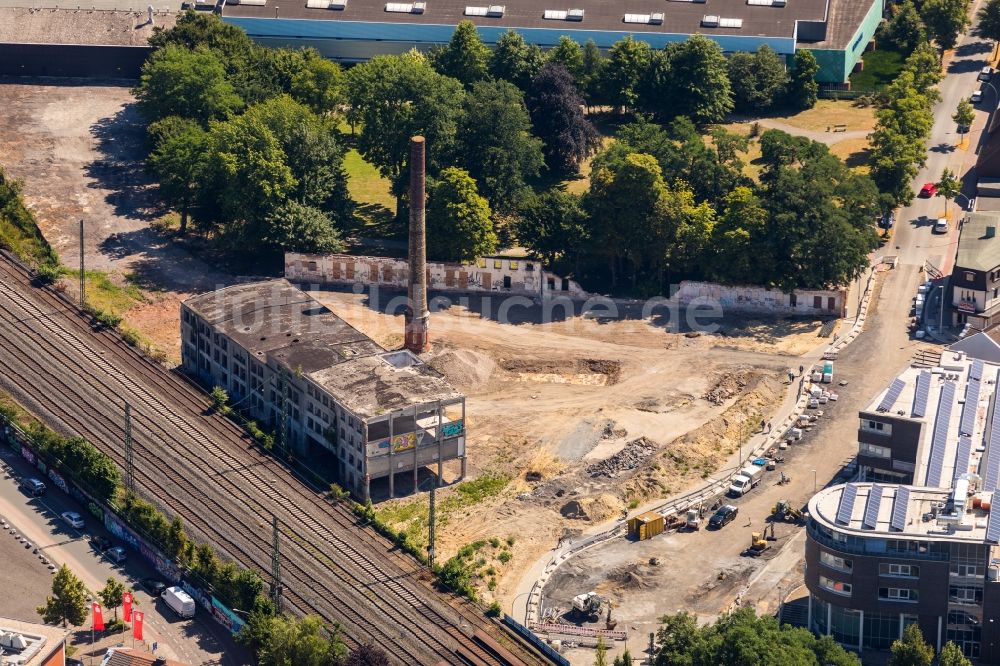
(758, 544)
(784, 510)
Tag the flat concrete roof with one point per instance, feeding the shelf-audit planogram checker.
(276, 320)
(108, 26)
(599, 15)
(978, 249)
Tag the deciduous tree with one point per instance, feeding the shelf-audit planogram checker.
(176, 81)
(911, 649)
(945, 19)
(495, 143)
(282, 640)
(626, 65)
(569, 54)
(905, 30)
(803, 90)
(594, 63)
(988, 21)
(964, 115)
(951, 655)
(68, 602)
(112, 595)
(464, 57)
(553, 227)
(558, 119)
(948, 187)
(925, 65)
(458, 219)
(319, 84)
(178, 160)
(367, 655)
(514, 60)
(698, 81)
(758, 80)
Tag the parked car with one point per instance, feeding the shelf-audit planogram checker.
(73, 519)
(154, 586)
(985, 73)
(941, 226)
(33, 486)
(117, 554)
(976, 97)
(928, 190)
(100, 543)
(887, 220)
(723, 516)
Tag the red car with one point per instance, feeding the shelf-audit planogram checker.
(928, 190)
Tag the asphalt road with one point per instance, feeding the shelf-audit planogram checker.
(198, 641)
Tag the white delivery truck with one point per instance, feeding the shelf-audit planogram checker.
(179, 601)
(747, 478)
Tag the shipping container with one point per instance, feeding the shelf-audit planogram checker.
(645, 526)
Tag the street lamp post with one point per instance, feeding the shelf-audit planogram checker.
(941, 309)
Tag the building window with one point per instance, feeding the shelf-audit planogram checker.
(959, 594)
(529, 267)
(497, 264)
(900, 570)
(964, 570)
(876, 427)
(969, 277)
(967, 639)
(897, 594)
(513, 265)
(835, 586)
(874, 451)
(835, 562)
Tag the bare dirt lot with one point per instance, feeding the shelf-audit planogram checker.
(583, 417)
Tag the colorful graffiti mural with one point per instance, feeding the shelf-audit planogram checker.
(27, 454)
(226, 617)
(57, 479)
(452, 429)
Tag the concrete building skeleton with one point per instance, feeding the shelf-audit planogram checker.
(380, 413)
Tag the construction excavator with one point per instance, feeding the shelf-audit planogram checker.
(784, 510)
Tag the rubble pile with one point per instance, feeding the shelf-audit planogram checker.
(630, 457)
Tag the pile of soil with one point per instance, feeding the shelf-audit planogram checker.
(610, 369)
(728, 385)
(630, 576)
(597, 509)
(634, 454)
(464, 369)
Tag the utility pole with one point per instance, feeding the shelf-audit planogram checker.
(83, 293)
(276, 587)
(431, 524)
(129, 478)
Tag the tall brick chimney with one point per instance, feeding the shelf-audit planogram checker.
(416, 310)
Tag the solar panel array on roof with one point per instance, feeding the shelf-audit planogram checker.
(993, 527)
(939, 442)
(976, 371)
(871, 509)
(962, 457)
(992, 462)
(846, 508)
(922, 393)
(899, 508)
(970, 408)
(891, 395)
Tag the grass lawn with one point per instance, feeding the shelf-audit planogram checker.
(106, 295)
(832, 112)
(881, 68)
(854, 152)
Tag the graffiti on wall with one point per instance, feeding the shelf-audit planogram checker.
(452, 429)
(57, 479)
(162, 565)
(226, 617)
(27, 454)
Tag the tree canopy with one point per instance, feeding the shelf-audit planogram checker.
(464, 57)
(556, 114)
(68, 602)
(458, 219)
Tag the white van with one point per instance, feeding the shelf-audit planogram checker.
(179, 601)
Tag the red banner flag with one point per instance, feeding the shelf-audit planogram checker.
(137, 625)
(98, 616)
(127, 606)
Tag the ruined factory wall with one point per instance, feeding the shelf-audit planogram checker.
(760, 299)
(493, 274)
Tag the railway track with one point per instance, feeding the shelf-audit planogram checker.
(204, 469)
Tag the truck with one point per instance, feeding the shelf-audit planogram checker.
(747, 478)
(179, 601)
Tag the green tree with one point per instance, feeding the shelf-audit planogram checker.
(319, 84)
(514, 60)
(553, 227)
(905, 30)
(911, 649)
(627, 62)
(569, 54)
(554, 104)
(458, 219)
(112, 594)
(758, 80)
(592, 73)
(296, 227)
(948, 187)
(68, 601)
(803, 91)
(740, 239)
(925, 65)
(677, 640)
(601, 652)
(951, 655)
(397, 97)
(698, 81)
(964, 115)
(178, 161)
(988, 21)
(464, 57)
(190, 84)
(945, 19)
(495, 143)
(176, 541)
(624, 659)
(282, 640)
